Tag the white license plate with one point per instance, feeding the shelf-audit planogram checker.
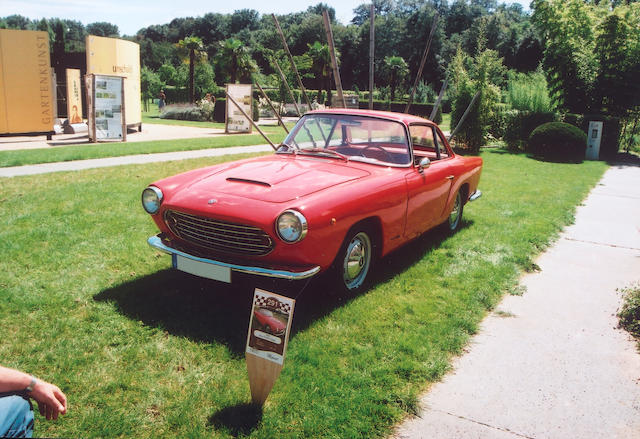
(202, 269)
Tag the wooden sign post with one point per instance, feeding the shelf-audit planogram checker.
(269, 327)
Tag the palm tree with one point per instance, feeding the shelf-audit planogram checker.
(321, 67)
(195, 51)
(234, 58)
(396, 70)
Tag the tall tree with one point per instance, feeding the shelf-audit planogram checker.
(103, 29)
(195, 52)
(235, 61)
(396, 70)
(614, 86)
(321, 67)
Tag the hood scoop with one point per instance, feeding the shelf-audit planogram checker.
(249, 181)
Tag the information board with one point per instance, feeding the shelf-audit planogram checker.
(106, 109)
(235, 121)
(271, 317)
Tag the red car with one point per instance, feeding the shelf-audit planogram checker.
(345, 188)
(269, 322)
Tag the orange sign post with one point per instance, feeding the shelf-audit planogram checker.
(26, 100)
(116, 57)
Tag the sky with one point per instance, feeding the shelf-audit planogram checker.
(132, 15)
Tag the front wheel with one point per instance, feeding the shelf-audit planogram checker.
(354, 262)
(455, 217)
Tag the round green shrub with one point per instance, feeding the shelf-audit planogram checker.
(558, 141)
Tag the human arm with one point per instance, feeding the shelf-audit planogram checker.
(51, 400)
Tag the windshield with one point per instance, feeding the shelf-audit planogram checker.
(350, 137)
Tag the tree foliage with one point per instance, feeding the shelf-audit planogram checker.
(591, 54)
(194, 52)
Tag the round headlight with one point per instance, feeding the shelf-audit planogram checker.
(151, 199)
(291, 226)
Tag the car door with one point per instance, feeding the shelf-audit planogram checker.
(428, 188)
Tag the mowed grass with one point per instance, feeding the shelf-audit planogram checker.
(143, 350)
(118, 149)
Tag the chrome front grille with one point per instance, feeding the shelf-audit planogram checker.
(217, 235)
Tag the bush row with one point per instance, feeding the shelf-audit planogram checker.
(207, 112)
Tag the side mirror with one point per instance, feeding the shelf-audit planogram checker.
(424, 164)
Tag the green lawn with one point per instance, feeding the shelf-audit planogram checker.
(142, 350)
(101, 150)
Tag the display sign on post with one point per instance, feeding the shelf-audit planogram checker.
(235, 121)
(269, 327)
(106, 108)
(74, 98)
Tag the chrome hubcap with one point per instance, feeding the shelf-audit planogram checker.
(356, 261)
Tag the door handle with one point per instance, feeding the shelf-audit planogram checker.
(450, 177)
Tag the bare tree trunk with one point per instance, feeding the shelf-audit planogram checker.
(192, 61)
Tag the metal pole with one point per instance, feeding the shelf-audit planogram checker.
(334, 61)
(434, 111)
(255, 125)
(372, 39)
(464, 116)
(424, 59)
(272, 107)
(286, 84)
(293, 64)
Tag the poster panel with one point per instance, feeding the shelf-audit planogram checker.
(108, 107)
(235, 120)
(271, 317)
(74, 98)
(26, 89)
(116, 57)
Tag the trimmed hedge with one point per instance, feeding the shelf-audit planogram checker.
(610, 142)
(422, 110)
(520, 124)
(558, 141)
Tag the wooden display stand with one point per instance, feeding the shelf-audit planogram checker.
(269, 327)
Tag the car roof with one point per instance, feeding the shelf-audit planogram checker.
(399, 117)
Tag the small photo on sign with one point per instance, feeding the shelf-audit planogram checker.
(269, 326)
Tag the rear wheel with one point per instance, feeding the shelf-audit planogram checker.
(354, 262)
(455, 217)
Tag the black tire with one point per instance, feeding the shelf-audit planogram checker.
(354, 263)
(455, 216)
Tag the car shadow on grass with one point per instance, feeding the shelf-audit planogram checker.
(207, 311)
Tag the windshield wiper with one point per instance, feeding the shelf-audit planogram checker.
(325, 151)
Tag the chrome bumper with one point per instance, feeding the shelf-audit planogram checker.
(474, 196)
(157, 243)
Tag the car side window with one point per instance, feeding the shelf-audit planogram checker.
(424, 142)
(441, 145)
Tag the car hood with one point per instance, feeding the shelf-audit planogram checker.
(274, 179)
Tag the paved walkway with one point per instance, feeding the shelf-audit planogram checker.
(551, 363)
(150, 131)
(78, 165)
